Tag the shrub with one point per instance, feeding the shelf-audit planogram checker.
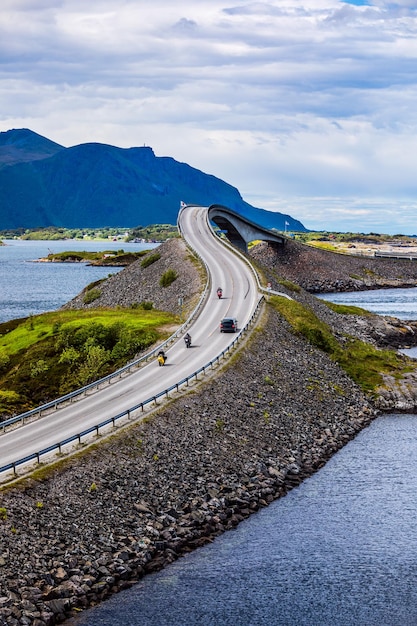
(148, 260)
(168, 278)
(38, 367)
(8, 399)
(146, 305)
(4, 360)
(91, 295)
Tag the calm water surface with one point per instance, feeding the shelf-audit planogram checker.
(340, 550)
(28, 288)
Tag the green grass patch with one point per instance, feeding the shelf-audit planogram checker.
(364, 363)
(91, 295)
(323, 245)
(168, 278)
(345, 309)
(48, 355)
(29, 330)
(103, 257)
(288, 284)
(150, 259)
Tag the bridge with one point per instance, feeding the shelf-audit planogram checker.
(239, 230)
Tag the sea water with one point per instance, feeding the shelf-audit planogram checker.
(28, 287)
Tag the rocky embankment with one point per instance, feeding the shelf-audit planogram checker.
(102, 520)
(321, 271)
(139, 282)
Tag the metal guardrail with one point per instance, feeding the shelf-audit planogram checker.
(96, 384)
(408, 256)
(36, 456)
(22, 418)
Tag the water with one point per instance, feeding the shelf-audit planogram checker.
(28, 288)
(340, 550)
(401, 303)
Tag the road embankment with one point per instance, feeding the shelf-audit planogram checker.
(162, 488)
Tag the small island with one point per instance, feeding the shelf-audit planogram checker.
(104, 258)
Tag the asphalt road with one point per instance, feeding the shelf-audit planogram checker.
(240, 297)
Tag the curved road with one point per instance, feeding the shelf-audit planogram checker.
(240, 297)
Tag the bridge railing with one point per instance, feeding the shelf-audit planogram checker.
(132, 411)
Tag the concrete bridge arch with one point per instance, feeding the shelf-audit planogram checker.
(238, 229)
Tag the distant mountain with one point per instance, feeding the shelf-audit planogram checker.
(95, 185)
(18, 146)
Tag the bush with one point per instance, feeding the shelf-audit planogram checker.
(91, 295)
(148, 260)
(38, 367)
(4, 360)
(147, 305)
(7, 400)
(168, 278)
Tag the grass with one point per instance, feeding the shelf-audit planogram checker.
(346, 309)
(104, 257)
(33, 329)
(364, 363)
(49, 355)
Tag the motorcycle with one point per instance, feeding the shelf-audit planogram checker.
(187, 340)
(219, 293)
(161, 358)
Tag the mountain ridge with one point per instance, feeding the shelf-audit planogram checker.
(98, 185)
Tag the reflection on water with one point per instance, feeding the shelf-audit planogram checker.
(340, 550)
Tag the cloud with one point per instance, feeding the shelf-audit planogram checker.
(302, 98)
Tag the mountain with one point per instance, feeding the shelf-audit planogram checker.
(18, 146)
(95, 185)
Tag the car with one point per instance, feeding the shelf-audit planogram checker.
(228, 325)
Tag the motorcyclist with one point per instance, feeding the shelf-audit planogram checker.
(219, 292)
(161, 357)
(187, 339)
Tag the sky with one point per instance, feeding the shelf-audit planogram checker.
(307, 107)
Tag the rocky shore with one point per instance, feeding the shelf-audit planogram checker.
(74, 535)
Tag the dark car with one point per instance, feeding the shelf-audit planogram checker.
(228, 325)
